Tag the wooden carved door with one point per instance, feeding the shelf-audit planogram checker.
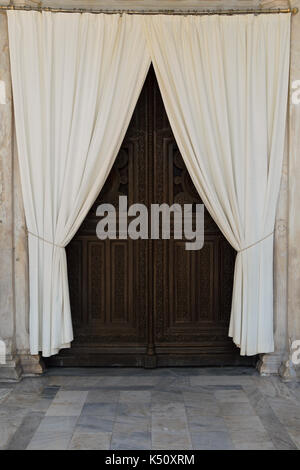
(149, 302)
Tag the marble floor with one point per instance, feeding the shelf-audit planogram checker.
(162, 409)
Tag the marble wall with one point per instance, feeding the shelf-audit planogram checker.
(14, 329)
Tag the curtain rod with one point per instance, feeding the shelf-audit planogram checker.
(258, 11)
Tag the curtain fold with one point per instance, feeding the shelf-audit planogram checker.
(224, 82)
(76, 79)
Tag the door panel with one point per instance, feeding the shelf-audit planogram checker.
(149, 302)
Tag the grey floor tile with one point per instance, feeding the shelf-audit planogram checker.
(133, 381)
(199, 423)
(8, 428)
(276, 430)
(13, 412)
(288, 414)
(231, 396)
(204, 408)
(19, 399)
(90, 441)
(214, 440)
(135, 396)
(103, 396)
(5, 384)
(50, 392)
(159, 396)
(31, 385)
(244, 423)
(104, 410)
(248, 432)
(75, 383)
(4, 392)
(53, 433)
(131, 436)
(41, 404)
(169, 384)
(138, 410)
(260, 445)
(91, 423)
(294, 388)
(167, 409)
(170, 426)
(25, 431)
(166, 440)
(67, 403)
(236, 409)
(198, 398)
(203, 380)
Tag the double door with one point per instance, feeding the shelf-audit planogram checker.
(149, 303)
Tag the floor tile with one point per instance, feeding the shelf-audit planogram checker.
(197, 423)
(236, 409)
(104, 410)
(4, 392)
(170, 426)
(208, 408)
(8, 428)
(67, 403)
(103, 396)
(248, 432)
(231, 396)
(221, 380)
(276, 430)
(135, 396)
(53, 433)
(166, 440)
(198, 398)
(91, 423)
(262, 445)
(132, 436)
(138, 410)
(25, 431)
(50, 392)
(90, 441)
(215, 440)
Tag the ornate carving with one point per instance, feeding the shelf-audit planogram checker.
(96, 282)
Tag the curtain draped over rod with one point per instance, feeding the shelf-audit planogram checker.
(76, 80)
(224, 81)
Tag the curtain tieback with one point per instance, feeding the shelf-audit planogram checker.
(256, 243)
(44, 240)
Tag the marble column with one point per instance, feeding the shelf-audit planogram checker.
(10, 367)
(15, 358)
(287, 234)
(289, 369)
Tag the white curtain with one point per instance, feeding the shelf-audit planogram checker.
(76, 79)
(224, 82)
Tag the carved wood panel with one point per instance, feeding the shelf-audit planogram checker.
(149, 302)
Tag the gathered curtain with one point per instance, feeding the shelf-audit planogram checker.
(224, 82)
(76, 79)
